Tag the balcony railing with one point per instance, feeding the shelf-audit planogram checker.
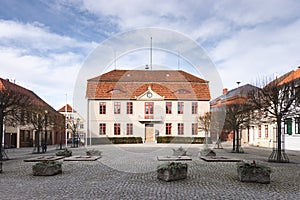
(150, 118)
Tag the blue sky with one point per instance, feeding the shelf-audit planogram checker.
(43, 44)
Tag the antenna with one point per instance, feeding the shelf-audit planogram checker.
(115, 60)
(150, 53)
(178, 60)
(238, 83)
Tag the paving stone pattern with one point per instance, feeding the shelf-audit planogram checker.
(129, 172)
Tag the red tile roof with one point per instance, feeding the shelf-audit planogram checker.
(290, 77)
(128, 84)
(35, 99)
(69, 109)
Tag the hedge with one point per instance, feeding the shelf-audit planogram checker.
(176, 139)
(116, 140)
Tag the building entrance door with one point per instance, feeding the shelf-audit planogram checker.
(149, 132)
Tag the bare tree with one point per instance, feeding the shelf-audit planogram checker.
(38, 116)
(72, 125)
(204, 124)
(237, 115)
(12, 104)
(59, 122)
(217, 123)
(277, 100)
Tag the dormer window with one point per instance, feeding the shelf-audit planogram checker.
(115, 91)
(182, 91)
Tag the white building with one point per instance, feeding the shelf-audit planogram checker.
(142, 105)
(264, 134)
(74, 122)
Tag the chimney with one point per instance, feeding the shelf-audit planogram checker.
(225, 90)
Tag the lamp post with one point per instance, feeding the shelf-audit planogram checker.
(44, 147)
(238, 128)
(76, 131)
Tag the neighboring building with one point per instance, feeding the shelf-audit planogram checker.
(234, 96)
(75, 122)
(291, 123)
(263, 133)
(23, 135)
(145, 104)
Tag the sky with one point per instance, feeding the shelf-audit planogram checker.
(44, 44)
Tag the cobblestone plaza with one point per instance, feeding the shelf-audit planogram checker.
(129, 172)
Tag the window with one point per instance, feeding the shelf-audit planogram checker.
(180, 107)
(81, 126)
(266, 131)
(259, 131)
(180, 128)
(129, 107)
(149, 110)
(168, 107)
(288, 126)
(148, 107)
(129, 129)
(183, 91)
(194, 128)
(194, 107)
(102, 108)
(297, 125)
(117, 107)
(168, 128)
(102, 129)
(117, 129)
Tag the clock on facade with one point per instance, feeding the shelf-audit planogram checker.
(149, 94)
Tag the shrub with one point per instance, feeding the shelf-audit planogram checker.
(180, 140)
(66, 153)
(253, 166)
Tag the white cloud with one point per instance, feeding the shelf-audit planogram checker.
(41, 61)
(36, 36)
(261, 50)
(244, 38)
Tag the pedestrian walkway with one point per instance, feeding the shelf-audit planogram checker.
(129, 172)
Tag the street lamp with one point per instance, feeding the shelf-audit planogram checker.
(44, 147)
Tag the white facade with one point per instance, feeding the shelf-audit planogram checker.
(145, 124)
(292, 133)
(73, 119)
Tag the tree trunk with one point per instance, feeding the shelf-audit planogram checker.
(279, 157)
(1, 139)
(37, 141)
(237, 141)
(233, 141)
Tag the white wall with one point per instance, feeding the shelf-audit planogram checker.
(138, 112)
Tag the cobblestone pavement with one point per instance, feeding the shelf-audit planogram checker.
(128, 172)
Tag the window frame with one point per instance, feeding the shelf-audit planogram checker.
(117, 107)
(194, 107)
(180, 107)
(180, 128)
(168, 107)
(194, 128)
(102, 127)
(129, 108)
(168, 128)
(117, 129)
(102, 108)
(129, 129)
